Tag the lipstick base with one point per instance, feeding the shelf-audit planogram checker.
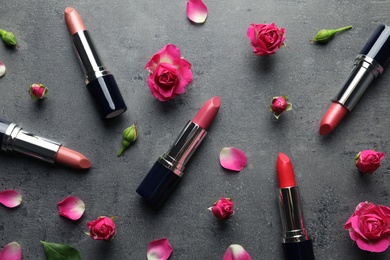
(298, 251)
(157, 184)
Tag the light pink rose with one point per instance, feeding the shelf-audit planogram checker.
(368, 161)
(369, 226)
(103, 228)
(223, 208)
(169, 73)
(265, 38)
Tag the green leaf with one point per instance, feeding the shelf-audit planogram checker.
(54, 251)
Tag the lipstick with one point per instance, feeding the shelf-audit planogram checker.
(100, 82)
(168, 169)
(15, 139)
(369, 64)
(296, 242)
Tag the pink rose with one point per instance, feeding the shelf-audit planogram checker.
(223, 208)
(368, 161)
(169, 73)
(369, 226)
(265, 38)
(103, 228)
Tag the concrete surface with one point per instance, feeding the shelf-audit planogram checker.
(126, 34)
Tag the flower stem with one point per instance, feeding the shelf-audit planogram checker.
(343, 28)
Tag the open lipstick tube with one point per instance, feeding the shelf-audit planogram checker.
(369, 64)
(168, 169)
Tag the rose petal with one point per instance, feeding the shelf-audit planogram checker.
(12, 251)
(159, 249)
(236, 252)
(232, 159)
(10, 198)
(196, 11)
(2, 69)
(71, 207)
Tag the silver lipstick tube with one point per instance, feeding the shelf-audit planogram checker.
(183, 148)
(88, 57)
(17, 140)
(364, 72)
(291, 215)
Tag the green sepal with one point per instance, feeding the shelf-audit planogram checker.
(54, 251)
(324, 35)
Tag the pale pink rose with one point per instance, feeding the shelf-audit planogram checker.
(368, 161)
(369, 226)
(223, 208)
(169, 73)
(103, 228)
(265, 38)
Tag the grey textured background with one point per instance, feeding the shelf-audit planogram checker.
(126, 34)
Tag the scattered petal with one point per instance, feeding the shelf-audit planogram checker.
(2, 69)
(236, 252)
(159, 249)
(71, 207)
(196, 11)
(12, 251)
(10, 198)
(232, 159)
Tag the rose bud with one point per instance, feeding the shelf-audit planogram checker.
(223, 208)
(103, 228)
(368, 161)
(8, 38)
(130, 134)
(324, 35)
(279, 105)
(37, 91)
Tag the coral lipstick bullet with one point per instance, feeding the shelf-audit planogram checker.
(369, 64)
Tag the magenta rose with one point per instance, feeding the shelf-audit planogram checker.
(368, 161)
(265, 38)
(369, 226)
(223, 208)
(103, 228)
(169, 73)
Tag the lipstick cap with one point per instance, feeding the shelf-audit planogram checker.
(3, 128)
(107, 97)
(157, 184)
(378, 46)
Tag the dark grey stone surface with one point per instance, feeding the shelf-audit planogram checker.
(126, 34)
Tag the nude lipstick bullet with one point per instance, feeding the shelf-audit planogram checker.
(168, 169)
(14, 139)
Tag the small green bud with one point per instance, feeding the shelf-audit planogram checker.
(8, 38)
(130, 134)
(324, 35)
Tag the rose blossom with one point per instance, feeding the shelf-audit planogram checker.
(265, 38)
(169, 73)
(368, 161)
(223, 208)
(369, 226)
(103, 228)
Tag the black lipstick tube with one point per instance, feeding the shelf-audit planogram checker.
(14, 139)
(296, 242)
(369, 64)
(100, 82)
(168, 169)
